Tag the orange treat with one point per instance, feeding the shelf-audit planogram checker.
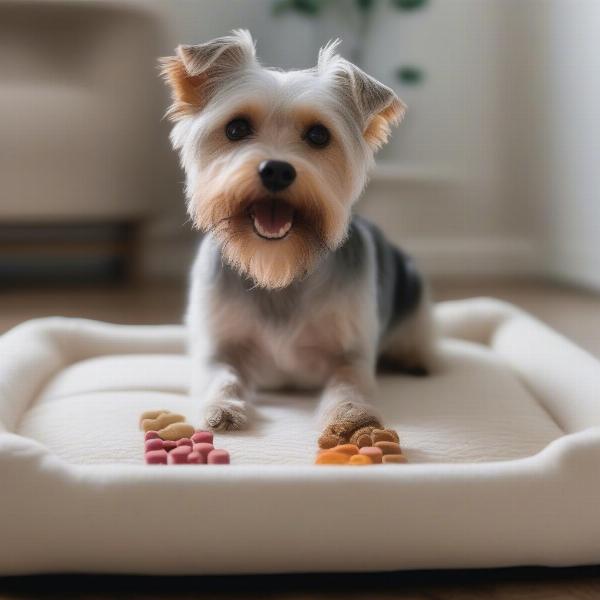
(375, 454)
(332, 458)
(360, 459)
(389, 447)
(349, 449)
(394, 458)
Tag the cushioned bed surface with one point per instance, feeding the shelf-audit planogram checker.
(503, 445)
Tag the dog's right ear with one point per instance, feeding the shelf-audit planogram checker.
(196, 70)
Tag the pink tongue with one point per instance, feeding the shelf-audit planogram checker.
(272, 215)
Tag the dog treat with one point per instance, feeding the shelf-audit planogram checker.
(151, 414)
(332, 458)
(349, 449)
(178, 456)
(329, 440)
(360, 459)
(375, 454)
(195, 458)
(203, 448)
(168, 439)
(156, 457)
(162, 421)
(176, 431)
(394, 458)
(218, 457)
(389, 447)
(368, 445)
(202, 437)
(384, 435)
(153, 444)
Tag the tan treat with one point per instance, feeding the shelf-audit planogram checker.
(161, 421)
(389, 447)
(394, 458)
(360, 459)
(364, 441)
(349, 449)
(384, 435)
(329, 440)
(176, 431)
(332, 458)
(151, 414)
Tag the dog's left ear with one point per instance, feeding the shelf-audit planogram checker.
(194, 74)
(378, 105)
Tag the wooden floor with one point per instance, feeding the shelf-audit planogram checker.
(573, 312)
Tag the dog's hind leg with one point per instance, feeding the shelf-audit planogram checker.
(410, 345)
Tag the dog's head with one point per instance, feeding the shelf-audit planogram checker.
(274, 160)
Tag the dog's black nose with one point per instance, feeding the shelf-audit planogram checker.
(276, 175)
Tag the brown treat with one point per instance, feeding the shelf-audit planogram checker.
(151, 414)
(329, 440)
(360, 459)
(161, 422)
(394, 458)
(332, 458)
(362, 436)
(384, 435)
(364, 441)
(388, 447)
(374, 453)
(349, 449)
(176, 431)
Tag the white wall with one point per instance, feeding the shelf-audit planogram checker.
(570, 197)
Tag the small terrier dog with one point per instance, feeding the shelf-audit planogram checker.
(289, 290)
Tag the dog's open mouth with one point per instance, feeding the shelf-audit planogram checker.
(272, 219)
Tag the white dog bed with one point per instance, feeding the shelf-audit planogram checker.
(503, 445)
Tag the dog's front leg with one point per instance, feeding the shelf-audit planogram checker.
(223, 394)
(345, 412)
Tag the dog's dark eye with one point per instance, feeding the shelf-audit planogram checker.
(318, 135)
(238, 129)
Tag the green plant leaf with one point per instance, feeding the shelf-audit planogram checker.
(365, 5)
(309, 8)
(410, 75)
(408, 4)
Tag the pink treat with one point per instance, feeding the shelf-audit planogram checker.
(204, 449)
(156, 457)
(185, 442)
(178, 456)
(202, 437)
(151, 435)
(169, 445)
(373, 452)
(218, 457)
(196, 458)
(153, 444)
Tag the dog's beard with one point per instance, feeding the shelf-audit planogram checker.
(269, 263)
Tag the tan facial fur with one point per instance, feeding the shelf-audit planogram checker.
(215, 83)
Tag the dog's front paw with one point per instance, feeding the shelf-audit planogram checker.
(349, 423)
(227, 416)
